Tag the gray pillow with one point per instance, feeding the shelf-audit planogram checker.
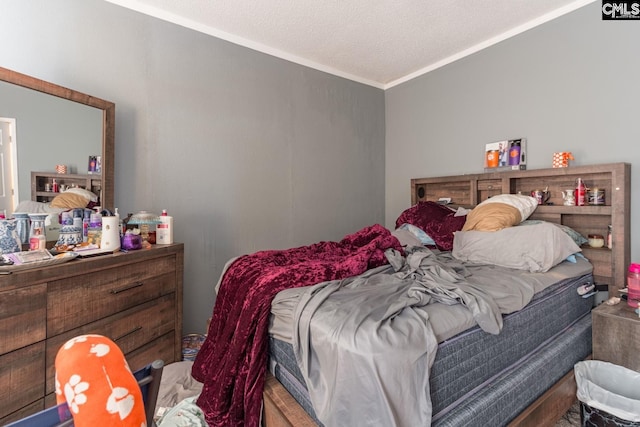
(577, 237)
(535, 248)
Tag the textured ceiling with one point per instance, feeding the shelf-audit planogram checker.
(376, 42)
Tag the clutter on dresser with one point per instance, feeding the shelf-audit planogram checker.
(146, 222)
(77, 232)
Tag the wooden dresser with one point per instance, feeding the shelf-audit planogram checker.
(134, 298)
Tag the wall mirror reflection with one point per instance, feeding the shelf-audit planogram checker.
(50, 126)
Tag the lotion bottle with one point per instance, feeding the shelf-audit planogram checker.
(164, 230)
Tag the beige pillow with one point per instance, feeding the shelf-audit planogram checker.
(69, 201)
(492, 217)
(487, 217)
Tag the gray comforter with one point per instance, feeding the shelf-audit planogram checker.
(371, 333)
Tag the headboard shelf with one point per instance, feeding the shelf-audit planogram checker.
(614, 178)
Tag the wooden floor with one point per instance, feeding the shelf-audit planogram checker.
(571, 418)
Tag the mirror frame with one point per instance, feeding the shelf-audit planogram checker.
(108, 122)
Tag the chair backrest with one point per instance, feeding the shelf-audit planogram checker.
(59, 416)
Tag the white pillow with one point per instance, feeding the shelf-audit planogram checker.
(525, 204)
(84, 193)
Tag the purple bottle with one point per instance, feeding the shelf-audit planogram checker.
(514, 153)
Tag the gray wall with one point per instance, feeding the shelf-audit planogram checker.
(250, 152)
(245, 150)
(568, 85)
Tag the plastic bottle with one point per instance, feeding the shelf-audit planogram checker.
(94, 232)
(581, 193)
(164, 230)
(67, 219)
(77, 218)
(119, 221)
(54, 186)
(85, 225)
(633, 285)
(37, 241)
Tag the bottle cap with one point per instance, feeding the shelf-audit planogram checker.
(634, 268)
(164, 212)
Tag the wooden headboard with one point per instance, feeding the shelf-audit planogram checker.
(609, 265)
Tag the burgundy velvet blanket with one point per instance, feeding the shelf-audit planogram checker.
(232, 361)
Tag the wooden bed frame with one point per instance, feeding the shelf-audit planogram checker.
(281, 409)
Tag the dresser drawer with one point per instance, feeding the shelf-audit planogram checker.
(161, 348)
(21, 380)
(23, 314)
(37, 406)
(82, 299)
(130, 329)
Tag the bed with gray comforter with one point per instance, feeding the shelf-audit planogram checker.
(426, 336)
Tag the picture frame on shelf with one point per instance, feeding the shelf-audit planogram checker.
(505, 155)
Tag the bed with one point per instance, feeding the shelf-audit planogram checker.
(510, 360)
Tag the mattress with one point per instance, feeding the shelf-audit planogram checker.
(468, 362)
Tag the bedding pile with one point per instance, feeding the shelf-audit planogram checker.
(372, 333)
(232, 361)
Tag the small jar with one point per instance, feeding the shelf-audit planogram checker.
(596, 240)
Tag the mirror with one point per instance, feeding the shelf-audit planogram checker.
(92, 120)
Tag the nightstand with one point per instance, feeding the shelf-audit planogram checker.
(616, 335)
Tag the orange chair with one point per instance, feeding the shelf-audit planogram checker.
(59, 416)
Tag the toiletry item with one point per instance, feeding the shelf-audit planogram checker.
(37, 231)
(119, 221)
(610, 237)
(54, 186)
(85, 224)
(110, 237)
(37, 241)
(164, 229)
(581, 193)
(77, 220)
(37, 236)
(94, 232)
(633, 285)
(67, 219)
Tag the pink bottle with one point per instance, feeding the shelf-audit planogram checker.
(633, 285)
(581, 193)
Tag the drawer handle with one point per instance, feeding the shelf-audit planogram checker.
(126, 288)
(128, 333)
